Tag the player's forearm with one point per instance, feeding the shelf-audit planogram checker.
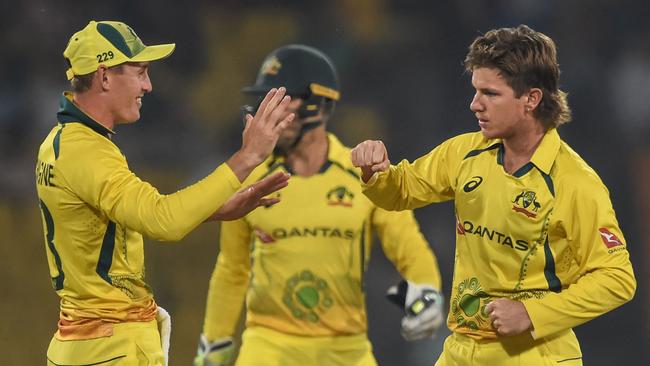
(596, 293)
(242, 164)
(138, 205)
(397, 189)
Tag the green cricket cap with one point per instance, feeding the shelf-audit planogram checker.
(109, 43)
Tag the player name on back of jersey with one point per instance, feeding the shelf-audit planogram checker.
(44, 174)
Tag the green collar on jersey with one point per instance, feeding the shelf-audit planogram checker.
(70, 112)
(543, 157)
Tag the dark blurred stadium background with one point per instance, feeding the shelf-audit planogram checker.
(402, 81)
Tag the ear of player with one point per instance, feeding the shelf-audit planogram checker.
(217, 353)
(423, 308)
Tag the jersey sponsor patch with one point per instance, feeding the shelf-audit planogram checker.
(526, 203)
(340, 196)
(609, 239)
(264, 237)
(459, 227)
(493, 235)
(271, 66)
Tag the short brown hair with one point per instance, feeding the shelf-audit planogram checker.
(81, 83)
(526, 59)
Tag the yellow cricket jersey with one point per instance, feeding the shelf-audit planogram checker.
(302, 261)
(95, 211)
(546, 235)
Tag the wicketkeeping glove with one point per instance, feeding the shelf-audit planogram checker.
(423, 308)
(217, 353)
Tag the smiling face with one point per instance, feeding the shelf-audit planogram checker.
(127, 87)
(499, 111)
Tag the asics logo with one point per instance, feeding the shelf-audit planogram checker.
(472, 184)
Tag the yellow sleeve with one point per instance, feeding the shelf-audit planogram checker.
(430, 178)
(606, 277)
(100, 176)
(406, 247)
(229, 281)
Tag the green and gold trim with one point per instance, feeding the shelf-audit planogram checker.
(69, 112)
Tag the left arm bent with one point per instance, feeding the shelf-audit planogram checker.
(606, 278)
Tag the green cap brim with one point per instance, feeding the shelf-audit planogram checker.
(153, 53)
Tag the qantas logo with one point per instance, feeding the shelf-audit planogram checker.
(318, 231)
(264, 237)
(469, 228)
(609, 239)
(459, 227)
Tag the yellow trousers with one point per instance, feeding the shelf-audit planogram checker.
(560, 349)
(132, 343)
(266, 347)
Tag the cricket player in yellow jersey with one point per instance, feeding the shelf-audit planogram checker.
(300, 264)
(95, 210)
(538, 247)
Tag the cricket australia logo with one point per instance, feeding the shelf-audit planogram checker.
(306, 295)
(468, 306)
(271, 66)
(340, 196)
(526, 203)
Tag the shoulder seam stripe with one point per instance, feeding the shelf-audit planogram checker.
(554, 283)
(349, 171)
(478, 151)
(362, 259)
(56, 144)
(106, 253)
(57, 281)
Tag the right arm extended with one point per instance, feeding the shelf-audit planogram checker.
(405, 185)
(100, 176)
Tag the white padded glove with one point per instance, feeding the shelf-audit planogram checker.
(165, 328)
(423, 308)
(217, 353)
